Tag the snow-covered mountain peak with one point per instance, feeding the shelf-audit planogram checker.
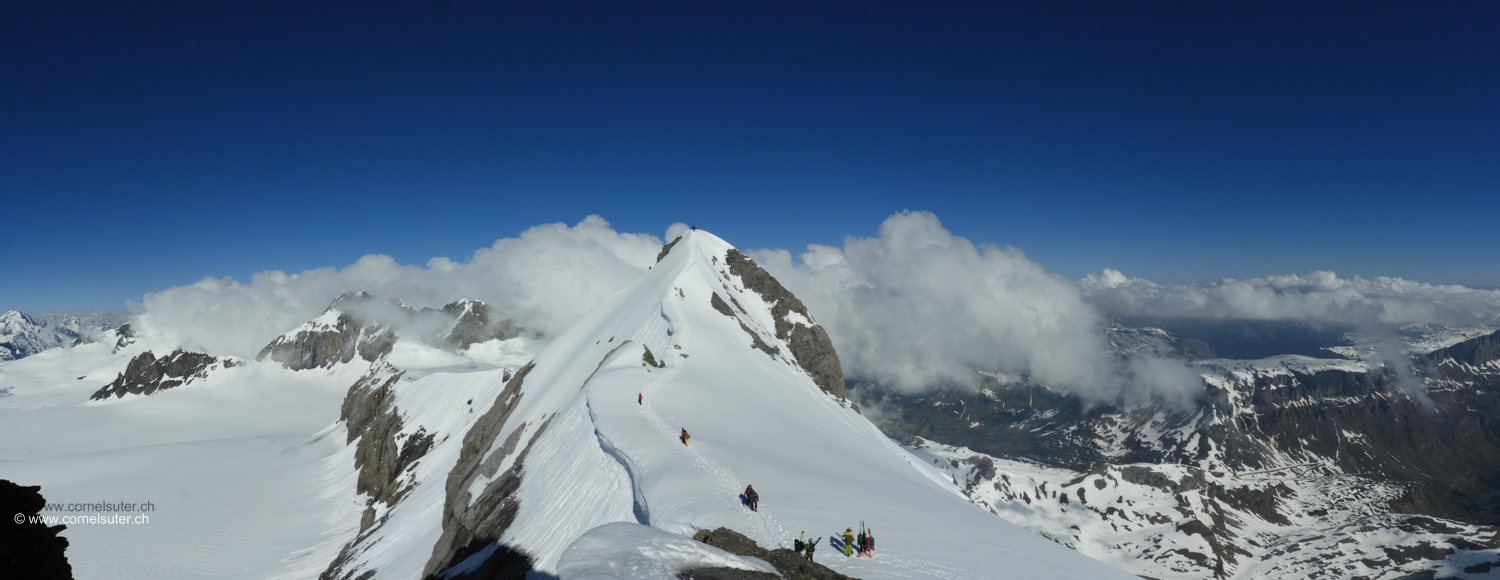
(358, 325)
(591, 433)
(22, 336)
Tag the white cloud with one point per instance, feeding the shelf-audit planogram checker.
(913, 307)
(545, 279)
(1317, 297)
(917, 306)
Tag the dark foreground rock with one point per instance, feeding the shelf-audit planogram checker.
(725, 574)
(791, 565)
(29, 550)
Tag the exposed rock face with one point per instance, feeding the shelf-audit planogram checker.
(146, 374)
(1471, 361)
(125, 336)
(791, 565)
(29, 550)
(725, 574)
(807, 341)
(357, 325)
(334, 338)
(667, 248)
(755, 340)
(381, 455)
(474, 322)
(472, 523)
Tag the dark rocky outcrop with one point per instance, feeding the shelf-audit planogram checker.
(791, 565)
(339, 342)
(472, 523)
(725, 574)
(29, 550)
(1463, 361)
(501, 563)
(126, 336)
(667, 248)
(809, 345)
(146, 374)
(756, 342)
(383, 452)
(381, 455)
(474, 322)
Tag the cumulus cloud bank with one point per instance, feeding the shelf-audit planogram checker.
(911, 308)
(917, 306)
(1317, 297)
(545, 279)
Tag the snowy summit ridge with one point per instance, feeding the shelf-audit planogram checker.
(588, 434)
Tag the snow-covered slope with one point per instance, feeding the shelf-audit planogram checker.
(237, 466)
(530, 464)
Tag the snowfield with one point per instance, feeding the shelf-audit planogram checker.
(252, 473)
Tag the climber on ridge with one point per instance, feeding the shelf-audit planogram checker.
(685, 437)
(752, 499)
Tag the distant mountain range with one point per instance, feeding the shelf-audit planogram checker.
(1380, 459)
(22, 335)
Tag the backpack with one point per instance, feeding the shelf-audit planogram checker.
(797, 545)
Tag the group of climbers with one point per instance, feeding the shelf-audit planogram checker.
(866, 545)
(862, 544)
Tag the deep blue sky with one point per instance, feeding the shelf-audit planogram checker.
(149, 145)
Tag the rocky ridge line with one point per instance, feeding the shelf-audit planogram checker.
(809, 345)
(146, 374)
